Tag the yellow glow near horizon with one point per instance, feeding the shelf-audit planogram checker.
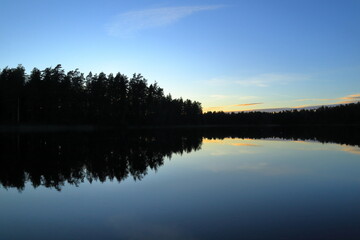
(278, 106)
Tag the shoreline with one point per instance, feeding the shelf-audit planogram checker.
(23, 128)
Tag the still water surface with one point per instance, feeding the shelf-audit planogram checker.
(176, 185)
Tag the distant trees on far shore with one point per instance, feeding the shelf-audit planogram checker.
(341, 114)
(52, 96)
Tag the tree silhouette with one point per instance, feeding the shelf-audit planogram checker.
(52, 96)
(341, 114)
(11, 93)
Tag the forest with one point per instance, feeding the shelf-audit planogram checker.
(51, 96)
(347, 114)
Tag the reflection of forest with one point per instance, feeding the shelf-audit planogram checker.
(335, 134)
(52, 159)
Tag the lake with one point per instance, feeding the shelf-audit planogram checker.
(228, 183)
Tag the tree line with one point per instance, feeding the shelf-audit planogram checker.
(51, 96)
(341, 114)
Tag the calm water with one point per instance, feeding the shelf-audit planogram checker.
(181, 184)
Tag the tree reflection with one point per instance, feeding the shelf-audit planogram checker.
(53, 159)
(348, 135)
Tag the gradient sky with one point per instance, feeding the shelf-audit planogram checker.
(230, 55)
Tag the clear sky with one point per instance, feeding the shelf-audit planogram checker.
(230, 55)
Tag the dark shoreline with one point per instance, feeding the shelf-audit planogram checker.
(90, 128)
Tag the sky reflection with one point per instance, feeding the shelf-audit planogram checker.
(230, 188)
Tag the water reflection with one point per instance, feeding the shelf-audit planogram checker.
(341, 135)
(53, 159)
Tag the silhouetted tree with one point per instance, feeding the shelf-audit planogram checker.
(341, 114)
(53, 97)
(11, 94)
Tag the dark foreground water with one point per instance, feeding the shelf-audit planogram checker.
(181, 184)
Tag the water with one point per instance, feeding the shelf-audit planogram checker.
(181, 184)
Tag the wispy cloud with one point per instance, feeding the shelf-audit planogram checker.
(246, 104)
(301, 106)
(261, 80)
(340, 100)
(307, 107)
(327, 102)
(266, 110)
(266, 80)
(233, 97)
(352, 97)
(227, 108)
(219, 108)
(314, 99)
(129, 23)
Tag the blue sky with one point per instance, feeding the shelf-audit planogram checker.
(229, 55)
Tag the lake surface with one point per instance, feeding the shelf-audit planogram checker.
(245, 183)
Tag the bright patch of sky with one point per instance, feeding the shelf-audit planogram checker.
(230, 55)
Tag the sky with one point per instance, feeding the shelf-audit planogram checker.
(230, 55)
